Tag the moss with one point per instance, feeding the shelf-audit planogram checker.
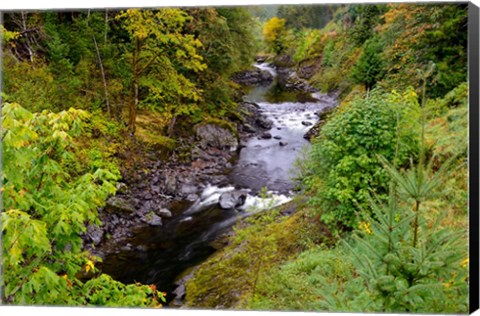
(222, 123)
(149, 130)
(260, 243)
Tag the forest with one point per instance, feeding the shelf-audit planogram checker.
(277, 157)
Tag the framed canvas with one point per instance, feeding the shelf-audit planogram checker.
(240, 157)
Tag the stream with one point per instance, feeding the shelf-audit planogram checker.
(158, 255)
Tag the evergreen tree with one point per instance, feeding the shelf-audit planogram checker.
(370, 66)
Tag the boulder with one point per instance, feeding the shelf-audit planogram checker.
(307, 123)
(248, 128)
(146, 207)
(115, 204)
(187, 189)
(314, 131)
(250, 105)
(253, 77)
(215, 136)
(152, 219)
(264, 122)
(277, 137)
(170, 185)
(95, 234)
(283, 144)
(163, 212)
(266, 135)
(230, 200)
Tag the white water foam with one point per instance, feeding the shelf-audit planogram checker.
(256, 203)
(267, 67)
(211, 195)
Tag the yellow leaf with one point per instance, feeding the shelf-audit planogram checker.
(89, 266)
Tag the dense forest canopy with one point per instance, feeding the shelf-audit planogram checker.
(383, 214)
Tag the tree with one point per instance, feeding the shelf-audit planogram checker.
(274, 34)
(229, 47)
(306, 16)
(419, 33)
(50, 194)
(365, 18)
(159, 54)
(370, 66)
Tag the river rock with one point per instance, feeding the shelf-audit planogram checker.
(251, 106)
(264, 122)
(170, 185)
(253, 77)
(198, 153)
(314, 131)
(283, 144)
(121, 188)
(260, 58)
(192, 197)
(116, 204)
(95, 234)
(155, 189)
(230, 200)
(307, 123)
(147, 206)
(215, 136)
(277, 137)
(266, 135)
(187, 189)
(152, 219)
(248, 128)
(163, 212)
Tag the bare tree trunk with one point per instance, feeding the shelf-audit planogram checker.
(24, 26)
(102, 70)
(104, 77)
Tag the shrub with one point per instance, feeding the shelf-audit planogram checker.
(344, 168)
(50, 196)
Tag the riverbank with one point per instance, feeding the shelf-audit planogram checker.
(151, 217)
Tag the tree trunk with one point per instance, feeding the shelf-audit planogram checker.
(24, 30)
(134, 100)
(171, 126)
(102, 69)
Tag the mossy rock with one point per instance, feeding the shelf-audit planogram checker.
(231, 127)
(261, 243)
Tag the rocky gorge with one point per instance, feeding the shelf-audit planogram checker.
(171, 214)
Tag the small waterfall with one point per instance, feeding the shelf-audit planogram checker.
(266, 67)
(160, 254)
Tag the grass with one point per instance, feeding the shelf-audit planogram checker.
(229, 278)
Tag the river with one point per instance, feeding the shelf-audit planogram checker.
(161, 254)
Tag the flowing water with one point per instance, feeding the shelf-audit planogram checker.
(159, 254)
